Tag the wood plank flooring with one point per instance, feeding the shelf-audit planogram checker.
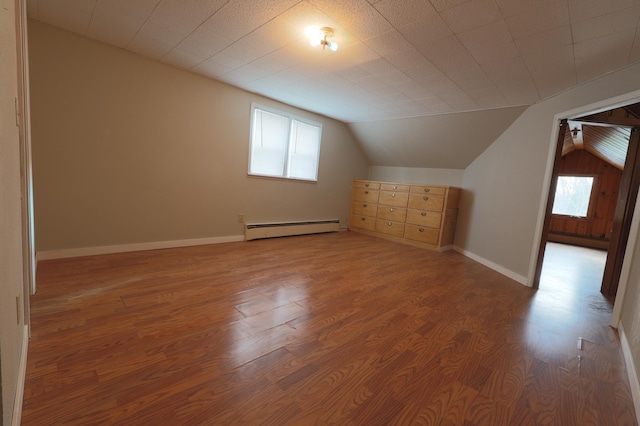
(336, 328)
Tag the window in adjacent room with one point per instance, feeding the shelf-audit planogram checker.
(573, 195)
(283, 145)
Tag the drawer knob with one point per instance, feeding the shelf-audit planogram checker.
(364, 205)
(366, 185)
(363, 219)
(395, 187)
(423, 213)
(366, 192)
(391, 209)
(389, 223)
(427, 189)
(425, 198)
(393, 195)
(421, 229)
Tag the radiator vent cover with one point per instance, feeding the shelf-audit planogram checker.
(254, 231)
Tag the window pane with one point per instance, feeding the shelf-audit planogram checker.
(572, 196)
(304, 150)
(283, 146)
(269, 143)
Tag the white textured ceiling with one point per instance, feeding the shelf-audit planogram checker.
(397, 58)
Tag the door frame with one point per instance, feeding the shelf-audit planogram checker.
(23, 110)
(625, 208)
(561, 131)
(625, 205)
(591, 108)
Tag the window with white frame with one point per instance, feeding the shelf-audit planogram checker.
(283, 145)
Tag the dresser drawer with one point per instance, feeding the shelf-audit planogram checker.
(424, 218)
(393, 187)
(426, 202)
(427, 189)
(423, 215)
(366, 195)
(396, 214)
(366, 184)
(390, 228)
(364, 209)
(393, 198)
(362, 222)
(422, 234)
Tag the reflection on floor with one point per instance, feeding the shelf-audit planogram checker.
(568, 309)
(336, 328)
(572, 275)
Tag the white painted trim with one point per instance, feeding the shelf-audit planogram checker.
(544, 198)
(604, 105)
(504, 271)
(631, 369)
(22, 374)
(123, 248)
(626, 265)
(611, 103)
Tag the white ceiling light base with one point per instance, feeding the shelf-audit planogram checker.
(319, 38)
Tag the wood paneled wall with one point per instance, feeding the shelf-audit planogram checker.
(598, 225)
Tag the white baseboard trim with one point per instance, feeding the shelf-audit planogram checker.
(123, 248)
(504, 271)
(22, 374)
(631, 369)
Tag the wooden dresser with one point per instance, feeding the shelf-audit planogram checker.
(420, 215)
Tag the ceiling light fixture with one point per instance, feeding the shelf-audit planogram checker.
(574, 132)
(318, 37)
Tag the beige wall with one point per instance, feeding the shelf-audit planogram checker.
(11, 277)
(445, 141)
(630, 317)
(502, 191)
(127, 150)
(504, 185)
(449, 177)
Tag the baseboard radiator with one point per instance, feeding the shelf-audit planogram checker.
(254, 231)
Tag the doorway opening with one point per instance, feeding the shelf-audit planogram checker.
(572, 276)
(594, 184)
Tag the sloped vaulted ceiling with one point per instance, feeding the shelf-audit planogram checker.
(449, 141)
(397, 59)
(605, 134)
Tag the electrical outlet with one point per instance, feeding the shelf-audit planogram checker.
(240, 218)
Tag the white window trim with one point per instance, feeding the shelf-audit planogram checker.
(291, 118)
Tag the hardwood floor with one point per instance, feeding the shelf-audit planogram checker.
(336, 328)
